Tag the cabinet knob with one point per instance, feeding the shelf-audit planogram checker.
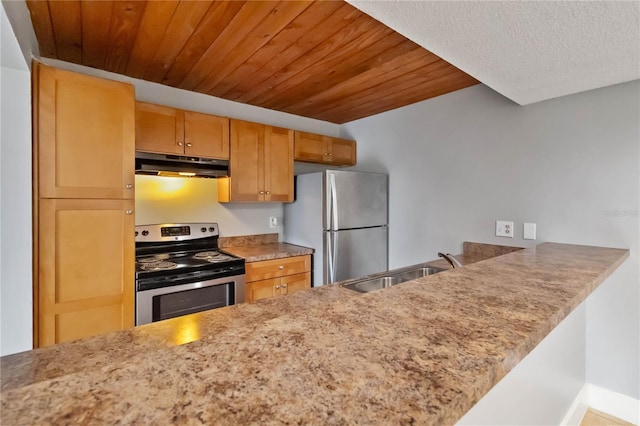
(179, 143)
(128, 186)
(280, 267)
(261, 192)
(277, 287)
(188, 144)
(128, 212)
(267, 192)
(284, 286)
(326, 153)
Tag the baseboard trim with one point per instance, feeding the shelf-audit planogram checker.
(616, 404)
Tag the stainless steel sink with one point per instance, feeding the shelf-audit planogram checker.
(373, 284)
(417, 273)
(390, 278)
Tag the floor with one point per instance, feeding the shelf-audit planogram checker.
(598, 418)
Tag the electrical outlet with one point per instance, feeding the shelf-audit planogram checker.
(504, 229)
(273, 222)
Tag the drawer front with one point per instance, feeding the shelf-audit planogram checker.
(256, 271)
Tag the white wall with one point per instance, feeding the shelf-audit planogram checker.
(461, 161)
(15, 197)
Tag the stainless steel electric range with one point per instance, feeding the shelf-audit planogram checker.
(180, 270)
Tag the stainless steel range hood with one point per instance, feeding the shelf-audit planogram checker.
(180, 166)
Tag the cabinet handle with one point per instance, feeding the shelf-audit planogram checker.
(128, 212)
(280, 267)
(277, 287)
(128, 186)
(179, 143)
(188, 144)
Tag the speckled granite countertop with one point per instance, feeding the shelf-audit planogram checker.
(421, 352)
(258, 252)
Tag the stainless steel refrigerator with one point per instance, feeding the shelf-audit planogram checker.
(343, 215)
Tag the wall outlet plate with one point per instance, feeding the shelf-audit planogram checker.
(504, 229)
(529, 231)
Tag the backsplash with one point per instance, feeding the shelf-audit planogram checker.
(184, 200)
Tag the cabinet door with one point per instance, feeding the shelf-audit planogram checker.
(342, 152)
(206, 135)
(278, 164)
(246, 164)
(85, 136)
(86, 268)
(309, 147)
(159, 129)
(263, 289)
(293, 283)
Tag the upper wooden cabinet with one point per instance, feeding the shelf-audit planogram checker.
(314, 148)
(260, 165)
(169, 130)
(84, 135)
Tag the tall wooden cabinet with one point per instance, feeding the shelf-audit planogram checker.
(167, 130)
(260, 165)
(83, 205)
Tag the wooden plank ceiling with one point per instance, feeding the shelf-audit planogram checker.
(323, 59)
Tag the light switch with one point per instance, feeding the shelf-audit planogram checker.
(529, 231)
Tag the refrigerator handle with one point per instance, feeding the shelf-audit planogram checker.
(332, 254)
(333, 222)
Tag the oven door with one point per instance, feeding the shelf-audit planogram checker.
(174, 301)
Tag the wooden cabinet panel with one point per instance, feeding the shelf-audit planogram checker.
(159, 129)
(261, 164)
(89, 322)
(206, 135)
(314, 148)
(246, 164)
(278, 164)
(86, 268)
(256, 271)
(167, 130)
(309, 147)
(85, 136)
(343, 152)
(263, 289)
(294, 283)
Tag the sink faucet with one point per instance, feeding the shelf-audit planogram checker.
(452, 260)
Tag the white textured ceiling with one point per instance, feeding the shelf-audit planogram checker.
(528, 51)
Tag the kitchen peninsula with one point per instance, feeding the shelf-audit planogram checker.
(422, 352)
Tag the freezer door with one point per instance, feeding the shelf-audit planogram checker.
(354, 200)
(354, 253)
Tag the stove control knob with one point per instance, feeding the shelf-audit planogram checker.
(136, 233)
(203, 229)
(212, 229)
(145, 233)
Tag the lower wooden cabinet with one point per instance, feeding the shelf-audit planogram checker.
(277, 277)
(86, 265)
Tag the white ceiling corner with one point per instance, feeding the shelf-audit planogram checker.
(528, 51)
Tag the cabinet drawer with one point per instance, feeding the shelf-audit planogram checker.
(256, 271)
